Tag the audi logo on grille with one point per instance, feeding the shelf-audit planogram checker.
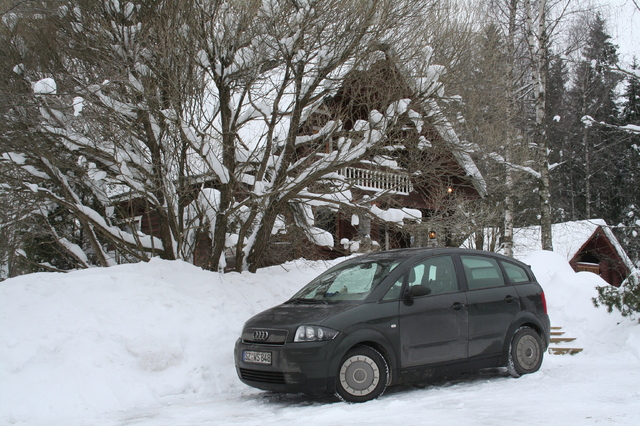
(261, 335)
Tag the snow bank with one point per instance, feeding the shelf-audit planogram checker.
(569, 300)
(82, 344)
(125, 344)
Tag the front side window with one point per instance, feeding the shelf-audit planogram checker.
(353, 281)
(435, 275)
(482, 272)
(395, 290)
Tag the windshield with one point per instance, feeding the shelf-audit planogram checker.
(353, 281)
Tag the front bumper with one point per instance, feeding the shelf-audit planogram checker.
(303, 367)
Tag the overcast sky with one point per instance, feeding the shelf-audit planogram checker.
(624, 26)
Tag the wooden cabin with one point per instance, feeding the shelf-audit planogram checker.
(421, 166)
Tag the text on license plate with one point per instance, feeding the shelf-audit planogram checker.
(256, 357)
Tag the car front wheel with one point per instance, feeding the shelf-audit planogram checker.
(525, 352)
(362, 375)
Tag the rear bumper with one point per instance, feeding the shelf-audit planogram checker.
(546, 323)
(295, 367)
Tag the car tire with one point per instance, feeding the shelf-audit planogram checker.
(362, 375)
(525, 352)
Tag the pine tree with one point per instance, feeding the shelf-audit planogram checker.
(594, 149)
(626, 202)
(558, 125)
(628, 195)
(493, 121)
(631, 105)
(625, 299)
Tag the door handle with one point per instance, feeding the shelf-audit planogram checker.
(457, 306)
(510, 299)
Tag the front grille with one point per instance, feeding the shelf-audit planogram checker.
(263, 376)
(275, 337)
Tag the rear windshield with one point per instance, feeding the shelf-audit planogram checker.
(353, 281)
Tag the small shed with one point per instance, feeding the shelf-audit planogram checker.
(588, 245)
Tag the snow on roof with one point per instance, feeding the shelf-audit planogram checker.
(443, 126)
(462, 157)
(446, 132)
(567, 238)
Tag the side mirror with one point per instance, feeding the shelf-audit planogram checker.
(418, 290)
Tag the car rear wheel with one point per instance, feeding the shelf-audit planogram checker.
(362, 375)
(525, 352)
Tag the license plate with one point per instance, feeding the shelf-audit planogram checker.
(254, 357)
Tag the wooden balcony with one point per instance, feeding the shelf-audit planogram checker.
(377, 180)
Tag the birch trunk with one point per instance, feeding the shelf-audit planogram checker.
(508, 202)
(538, 45)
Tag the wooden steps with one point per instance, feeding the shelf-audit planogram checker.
(564, 351)
(562, 339)
(557, 338)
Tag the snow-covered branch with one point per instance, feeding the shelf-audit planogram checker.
(629, 128)
(501, 160)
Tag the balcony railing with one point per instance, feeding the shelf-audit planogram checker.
(377, 180)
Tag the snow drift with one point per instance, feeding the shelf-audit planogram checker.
(87, 346)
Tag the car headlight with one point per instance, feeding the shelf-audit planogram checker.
(313, 333)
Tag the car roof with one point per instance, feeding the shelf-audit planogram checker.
(406, 253)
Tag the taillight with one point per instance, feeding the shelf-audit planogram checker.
(544, 303)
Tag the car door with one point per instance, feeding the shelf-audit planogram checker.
(433, 321)
(493, 304)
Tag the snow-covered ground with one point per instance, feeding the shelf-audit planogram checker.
(152, 344)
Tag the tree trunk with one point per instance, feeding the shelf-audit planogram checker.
(227, 189)
(538, 44)
(276, 202)
(507, 242)
(261, 241)
(163, 207)
(587, 152)
(587, 172)
(545, 197)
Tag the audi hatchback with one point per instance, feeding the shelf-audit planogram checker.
(394, 317)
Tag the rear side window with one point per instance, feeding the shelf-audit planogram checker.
(482, 272)
(516, 273)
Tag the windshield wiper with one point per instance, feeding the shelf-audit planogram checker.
(302, 300)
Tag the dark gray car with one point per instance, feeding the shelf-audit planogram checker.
(394, 317)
